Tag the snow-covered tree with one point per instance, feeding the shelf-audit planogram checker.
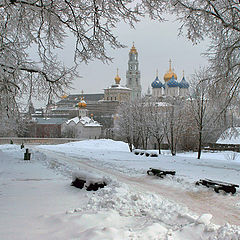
(124, 124)
(156, 119)
(32, 32)
(205, 111)
(219, 22)
(173, 124)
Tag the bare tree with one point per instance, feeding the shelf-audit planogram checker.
(173, 124)
(32, 32)
(203, 106)
(218, 21)
(124, 124)
(156, 118)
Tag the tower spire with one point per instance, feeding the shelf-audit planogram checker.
(133, 74)
(157, 73)
(170, 65)
(133, 49)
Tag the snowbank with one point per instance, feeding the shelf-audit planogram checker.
(98, 144)
(89, 177)
(230, 136)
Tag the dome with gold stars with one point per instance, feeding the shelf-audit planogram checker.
(169, 74)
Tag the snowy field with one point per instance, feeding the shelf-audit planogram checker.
(38, 202)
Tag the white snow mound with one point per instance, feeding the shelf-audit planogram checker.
(96, 144)
(89, 177)
(230, 136)
(204, 219)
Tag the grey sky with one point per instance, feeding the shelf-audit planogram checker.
(155, 42)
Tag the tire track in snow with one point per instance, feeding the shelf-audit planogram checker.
(222, 207)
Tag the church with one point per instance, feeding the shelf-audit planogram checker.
(104, 106)
(171, 87)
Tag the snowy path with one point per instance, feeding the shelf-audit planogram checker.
(222, 207)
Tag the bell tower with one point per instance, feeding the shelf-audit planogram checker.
(133, 74)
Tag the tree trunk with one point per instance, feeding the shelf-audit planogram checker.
(143, 143)
(199, 144)
(159, 146)
(129, 144)
(172, 143)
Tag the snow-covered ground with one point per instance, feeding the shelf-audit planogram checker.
(37, 201)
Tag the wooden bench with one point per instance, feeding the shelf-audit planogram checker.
(160, 173)
(218, 185)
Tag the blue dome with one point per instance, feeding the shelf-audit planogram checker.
(184, 83)
(156, 83)
(172, 82)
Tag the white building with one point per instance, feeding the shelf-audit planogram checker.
(82, 126)
(117, 92)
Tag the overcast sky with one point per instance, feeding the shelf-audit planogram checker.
(155, 42)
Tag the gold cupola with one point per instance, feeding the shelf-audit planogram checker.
(82, 103)
(64, 96)
(170, 73)
(133, 49)
(117, 78)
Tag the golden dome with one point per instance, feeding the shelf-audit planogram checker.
(170, 73)
(82, 104)
(133, 49)
(64, 96)
(117, 78)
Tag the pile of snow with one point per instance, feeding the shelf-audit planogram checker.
(94, 144)
(230, 136)
(90, 178)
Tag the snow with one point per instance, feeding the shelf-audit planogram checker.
(86, 121)
(230, 136)
(119, 87)
(38, 202)
(204, 219)
(89, 177)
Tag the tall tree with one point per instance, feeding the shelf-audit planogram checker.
(156, 119)
(218, 21)
(173, 124)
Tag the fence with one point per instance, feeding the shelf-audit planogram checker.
(221, 147)
(16, 140)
